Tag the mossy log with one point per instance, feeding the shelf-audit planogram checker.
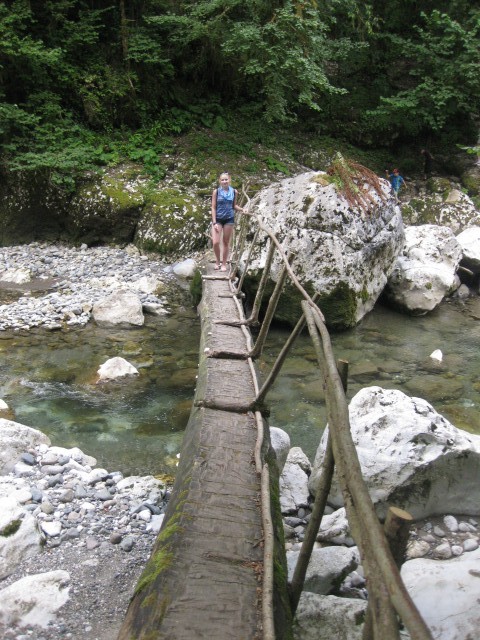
(204, 577)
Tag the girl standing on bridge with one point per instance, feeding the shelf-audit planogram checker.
(224, 205)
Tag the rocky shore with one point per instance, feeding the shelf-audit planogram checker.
(73, 537)
(57, 284)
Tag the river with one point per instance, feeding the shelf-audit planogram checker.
(136, 424)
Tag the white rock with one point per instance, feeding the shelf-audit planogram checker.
(335, 244)
(23, 539)
(470, 544)
(281, 445)
(17, 276)
(334, 528)
(142, 487)
(417, 549)
(410, 455)
(122, 307)
(326, 617)
(34, 600)
(425, 272)
(145, 515)
(451, 523)
(155, 523)
(3, 405)
(15, 439)
(51, 528)
(446, 594)
(469, 240)
(115, 368)
(185, 269)
(437, 355)
(147, 284)
(327, 568)
(294, 491)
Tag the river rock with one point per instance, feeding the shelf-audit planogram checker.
(34, 600)
(15, 439)
(294, 491)
(469, 240)
(326, 617)
(446, 594)
(327, 568)
(342, 253)
(19, 535)
(425, 271)
(280, 441)
(185, 269)
(120, 308)
(410, 455)
(115, 368)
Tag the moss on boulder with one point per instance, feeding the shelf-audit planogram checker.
(173, 222)
(107, 207)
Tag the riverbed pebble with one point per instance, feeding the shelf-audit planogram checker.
(60, 283)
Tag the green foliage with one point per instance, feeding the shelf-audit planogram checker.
(276, 165)
(431, 60)
(83, 85)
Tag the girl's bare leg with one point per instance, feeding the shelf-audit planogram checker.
(227, 234)
(216, 233)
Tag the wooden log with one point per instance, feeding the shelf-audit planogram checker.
(397, 529)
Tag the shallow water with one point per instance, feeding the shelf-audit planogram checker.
(136, 424)
(392, 351)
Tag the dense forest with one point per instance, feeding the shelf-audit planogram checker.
(86, 83)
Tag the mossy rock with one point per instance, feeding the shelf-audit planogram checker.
(441, 186)
(471, 181)
(173, 222)
(107, 207)
(32, 208)
(339, 306)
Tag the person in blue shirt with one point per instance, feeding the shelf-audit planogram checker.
(396, 181)
(224, 205)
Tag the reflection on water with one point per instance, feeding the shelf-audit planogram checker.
(136, 424)
(392, 351)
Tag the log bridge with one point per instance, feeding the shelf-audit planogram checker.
(207, 576)
(217, 569)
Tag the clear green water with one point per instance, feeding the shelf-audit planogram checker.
(136, 424)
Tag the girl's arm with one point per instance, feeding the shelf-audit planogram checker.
(214, 206)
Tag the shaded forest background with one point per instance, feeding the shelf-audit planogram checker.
(89, 83)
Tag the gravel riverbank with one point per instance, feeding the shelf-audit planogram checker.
(53, 284)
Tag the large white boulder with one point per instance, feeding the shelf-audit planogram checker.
(411, 456)
(426, 270)
(341, 252)
(34, 600)
(469, 240)
(122, 307)
(446, 594)
(15, 439)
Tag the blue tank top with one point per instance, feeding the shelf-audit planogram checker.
(225, 201)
